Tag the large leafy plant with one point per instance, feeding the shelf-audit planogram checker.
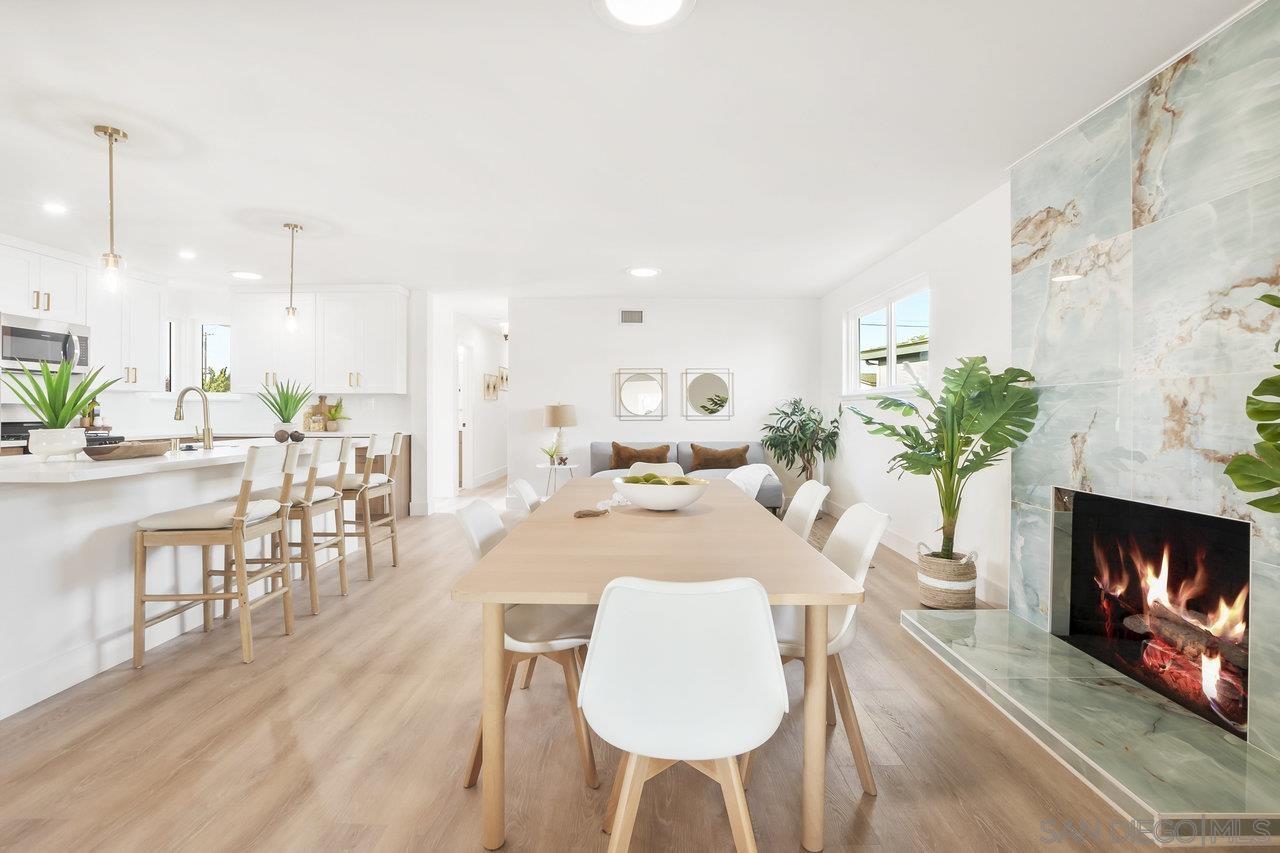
(285, 399)
(1261, 472)
(51, 397)
(975, 420)
(799, 435)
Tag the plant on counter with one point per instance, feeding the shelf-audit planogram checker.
(285, 399)
(334, 412)
(551, 453)
(799, 435)
(52, 398)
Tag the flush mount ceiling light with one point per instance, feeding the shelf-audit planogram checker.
(111, 262)
(55, 208)
(246, 276)
(1067, 276)
(644, 272)
(291, 311)
(186, 254)
(643, 16)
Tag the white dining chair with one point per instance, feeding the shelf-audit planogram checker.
(851, 545)
(804, 507)
(521, 496)
(662, 469)
(555, 631)
(704, 689)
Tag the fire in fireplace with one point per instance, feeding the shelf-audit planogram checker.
(1163, 596)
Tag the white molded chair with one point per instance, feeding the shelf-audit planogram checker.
(521, 497)
(705, 688)
(804, 507)
(662, 469)
(851, 545)
(555, 631)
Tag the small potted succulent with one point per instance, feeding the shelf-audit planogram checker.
(285, 400)
(52, 398)
(334, 417)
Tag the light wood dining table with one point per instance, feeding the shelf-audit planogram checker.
(553, 558)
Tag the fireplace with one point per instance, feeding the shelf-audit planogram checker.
(1160, 594)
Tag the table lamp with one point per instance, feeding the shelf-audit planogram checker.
(560, 416)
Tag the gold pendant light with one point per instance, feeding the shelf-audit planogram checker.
(111, 262)
(291, 313)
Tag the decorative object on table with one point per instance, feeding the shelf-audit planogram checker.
(799, 436)
(297, 436)
(281, 435)
(335, 416)
(1260, 471)
(504, 378)
(590, 513)
(550, 453)
(661, 494)
(559, 416)
(57, 404)
(708, 394)
(640, 395)
(975, 420)
(89, 414)
(562, 460)
(129, 450)
(711, 458)
(491, 386)
(285, 400)
(317, 414)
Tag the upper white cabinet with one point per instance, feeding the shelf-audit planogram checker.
(127, 334)
(19, 281)
(362, 343)
(263, 350)
(35, 285)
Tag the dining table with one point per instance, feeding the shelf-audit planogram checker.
(552, 557)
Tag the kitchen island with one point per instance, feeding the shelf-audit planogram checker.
(67, 529)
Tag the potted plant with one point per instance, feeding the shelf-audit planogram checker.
(88, 413)
(975, 420)
(334, 416)
(285, 400)
(1260, 471)
(800, 435)
(57, 404)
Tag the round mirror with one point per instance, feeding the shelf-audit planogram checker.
(708, 394)
(641, 394)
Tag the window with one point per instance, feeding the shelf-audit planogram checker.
(887, 341)
(215, 357)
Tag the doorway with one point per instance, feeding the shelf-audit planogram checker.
(465, 402)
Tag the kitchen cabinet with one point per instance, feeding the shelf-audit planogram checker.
(35, 285)
(127, 335)
(263, 349)
(19, 282)
(363, 343)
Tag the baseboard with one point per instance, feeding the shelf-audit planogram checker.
(419, 507)
(489, 476)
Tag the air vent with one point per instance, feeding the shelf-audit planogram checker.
(626, 316)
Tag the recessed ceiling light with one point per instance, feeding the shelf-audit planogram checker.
(186, 254)
(1067, 276)
(246, 276)
(55, 208)
(643, 16)
(644, 272)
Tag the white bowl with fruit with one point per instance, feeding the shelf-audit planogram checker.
(661, 494)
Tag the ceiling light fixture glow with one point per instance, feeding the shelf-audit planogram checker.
(55, 208)
(643, 16)
(246, 276)
(1067, 276)
(644, 272)
(186, 254)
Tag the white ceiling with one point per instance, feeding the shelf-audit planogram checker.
(523, 147)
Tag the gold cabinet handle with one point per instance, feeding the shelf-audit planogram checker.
(47, 302)
(359, 379)
(274, 380)
(266, 377)
(351, 380)
(35, 299)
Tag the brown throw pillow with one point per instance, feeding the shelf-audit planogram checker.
(709, 457)
(625, 457)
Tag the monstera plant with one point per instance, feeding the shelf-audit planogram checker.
(1260, 471)
(974, 421)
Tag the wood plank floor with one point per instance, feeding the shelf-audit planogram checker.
(354, 733)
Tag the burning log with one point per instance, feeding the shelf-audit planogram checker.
(1184, 636)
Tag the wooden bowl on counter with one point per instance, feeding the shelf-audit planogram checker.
(127, 450)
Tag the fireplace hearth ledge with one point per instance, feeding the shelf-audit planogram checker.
(1180, 778)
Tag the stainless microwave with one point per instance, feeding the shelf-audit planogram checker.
(30, 340)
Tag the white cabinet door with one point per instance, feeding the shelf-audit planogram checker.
(62, 290)
(295, 352)
(106, 333)
(341, 339)
(145, 354)
(252, 357)
(383, 368)
(19, 282)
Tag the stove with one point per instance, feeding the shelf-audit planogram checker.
(18, 431)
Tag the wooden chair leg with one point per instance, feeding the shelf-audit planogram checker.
(612, 807)
(309, 559)
(735, 803)
(342, 547)
(831, 703)
(581, 652)
(528, 673)
(624, 821)
(286, 576)
(477, 751)
(226, 580)
(569, 664)
(744, 767)
(840, 683)
(395, 534)
(362, 503)
(242, 597)
(139, 590)
(206, 584)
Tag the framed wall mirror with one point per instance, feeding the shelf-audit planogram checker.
(708, 393)
(640, 395)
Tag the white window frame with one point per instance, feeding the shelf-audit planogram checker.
(851, 378)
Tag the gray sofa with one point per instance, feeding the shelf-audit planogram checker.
(682, 452)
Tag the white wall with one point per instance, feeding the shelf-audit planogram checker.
(967, 261)
(566, 351)
(488, 351)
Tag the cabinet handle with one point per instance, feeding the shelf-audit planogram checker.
(359, 379)
(47, 302)
(133, 375)
(35, 299)
(266, 377)
(351, 380)
(274, 380)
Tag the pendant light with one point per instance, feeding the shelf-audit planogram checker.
(291, 313)
(111, 262)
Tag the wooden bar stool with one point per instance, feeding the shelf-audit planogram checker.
(311, 500)
(368, 486)
(229, 523)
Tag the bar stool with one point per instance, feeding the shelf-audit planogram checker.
(364, 488)
(311, 500)
(229, 523)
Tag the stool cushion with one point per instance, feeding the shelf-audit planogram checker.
(211, 516)
(355, 481)
(297, 493)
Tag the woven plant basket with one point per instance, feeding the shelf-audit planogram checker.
(946, 584)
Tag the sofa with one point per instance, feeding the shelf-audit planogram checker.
(770, 494)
